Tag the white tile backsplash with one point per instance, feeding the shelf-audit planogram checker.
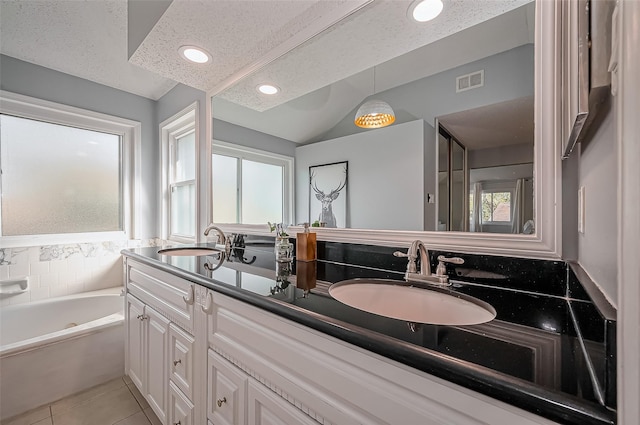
(4, 272)
(59, 270)
(18, 269)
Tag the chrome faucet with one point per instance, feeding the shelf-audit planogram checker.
(222, 239)
(439, 278)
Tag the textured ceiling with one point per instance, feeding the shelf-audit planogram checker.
(377, 33)
(239, 35)
(307, 118)
(87, 39)
(324, 70)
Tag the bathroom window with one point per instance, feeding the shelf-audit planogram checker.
(66, 173)
(250, 186)
(496, 207)
(179, 146)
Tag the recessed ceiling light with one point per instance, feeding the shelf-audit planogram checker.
(425, 10)
(194, 54)
(268, 89)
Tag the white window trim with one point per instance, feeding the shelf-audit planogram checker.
(172, 128)
(500, 186)
(252, 154)
(130, 131)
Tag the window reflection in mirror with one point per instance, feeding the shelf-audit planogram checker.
(489, 112)
(249, 186)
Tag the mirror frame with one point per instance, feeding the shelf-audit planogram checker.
(546, 243)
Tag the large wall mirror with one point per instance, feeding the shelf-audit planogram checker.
(470, 161)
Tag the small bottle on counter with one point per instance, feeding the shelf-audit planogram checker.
(306, 245)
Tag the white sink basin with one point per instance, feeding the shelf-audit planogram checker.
(188, 251)
(397, 300)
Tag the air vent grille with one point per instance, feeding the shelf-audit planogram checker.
(470, 81)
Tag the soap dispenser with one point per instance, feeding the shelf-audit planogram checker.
(306, 245)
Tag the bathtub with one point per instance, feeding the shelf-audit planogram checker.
(53, 348)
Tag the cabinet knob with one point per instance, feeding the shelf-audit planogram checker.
(176, 423)
(176, 362)
(221, 401)
(139, 317)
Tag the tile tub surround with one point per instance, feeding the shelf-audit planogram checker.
(116, 402)
(530, 356)
(58, 270)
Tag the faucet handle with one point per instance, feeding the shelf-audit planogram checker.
(411, 264)
(441, 270)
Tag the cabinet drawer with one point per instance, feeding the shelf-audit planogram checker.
(267, 408)
(180, 408)
(181, 359)
(170, 294)
(226, 392)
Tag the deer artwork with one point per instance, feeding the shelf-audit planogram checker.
(326, 214)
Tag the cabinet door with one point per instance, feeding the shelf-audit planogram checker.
(180, 408)
(226, 392)
(135, 342)
(268, 408)
(156, 367)
(181, 359)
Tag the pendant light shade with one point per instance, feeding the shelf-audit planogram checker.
(374, 114)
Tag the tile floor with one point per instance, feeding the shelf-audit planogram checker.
(116, 402)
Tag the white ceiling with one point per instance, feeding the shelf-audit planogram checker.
(87, 39)
(324, 76)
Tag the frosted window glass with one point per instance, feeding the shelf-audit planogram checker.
(186, 157)
(58, 179)
(225, 189)
(183, 200)
(261, 192)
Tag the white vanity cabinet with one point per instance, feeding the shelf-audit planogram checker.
(226, 392)
(159, 350)
(268, 408)
(241, 365)
(148, 336)
(181, 347)
(181, 409)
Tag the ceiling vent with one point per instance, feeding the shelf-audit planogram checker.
(470, 81)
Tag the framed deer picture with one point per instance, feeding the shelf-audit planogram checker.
(328, 194)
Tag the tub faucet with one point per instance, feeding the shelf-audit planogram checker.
(222, 239)
(412, 275)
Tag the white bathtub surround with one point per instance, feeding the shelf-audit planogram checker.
(68, 344)
(59, 270)
(14, 286)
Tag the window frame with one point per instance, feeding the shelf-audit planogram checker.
(130, 133)
(171, 129)
(500, 187)
(243, 152)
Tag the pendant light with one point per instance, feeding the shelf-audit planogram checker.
(374, 113)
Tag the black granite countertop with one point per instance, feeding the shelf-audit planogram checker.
(529, 356)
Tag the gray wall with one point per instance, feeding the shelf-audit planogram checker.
(598, 173)
(32, 80)
(503, 155)
(231, 133)
(508, 75)
(380, 193)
